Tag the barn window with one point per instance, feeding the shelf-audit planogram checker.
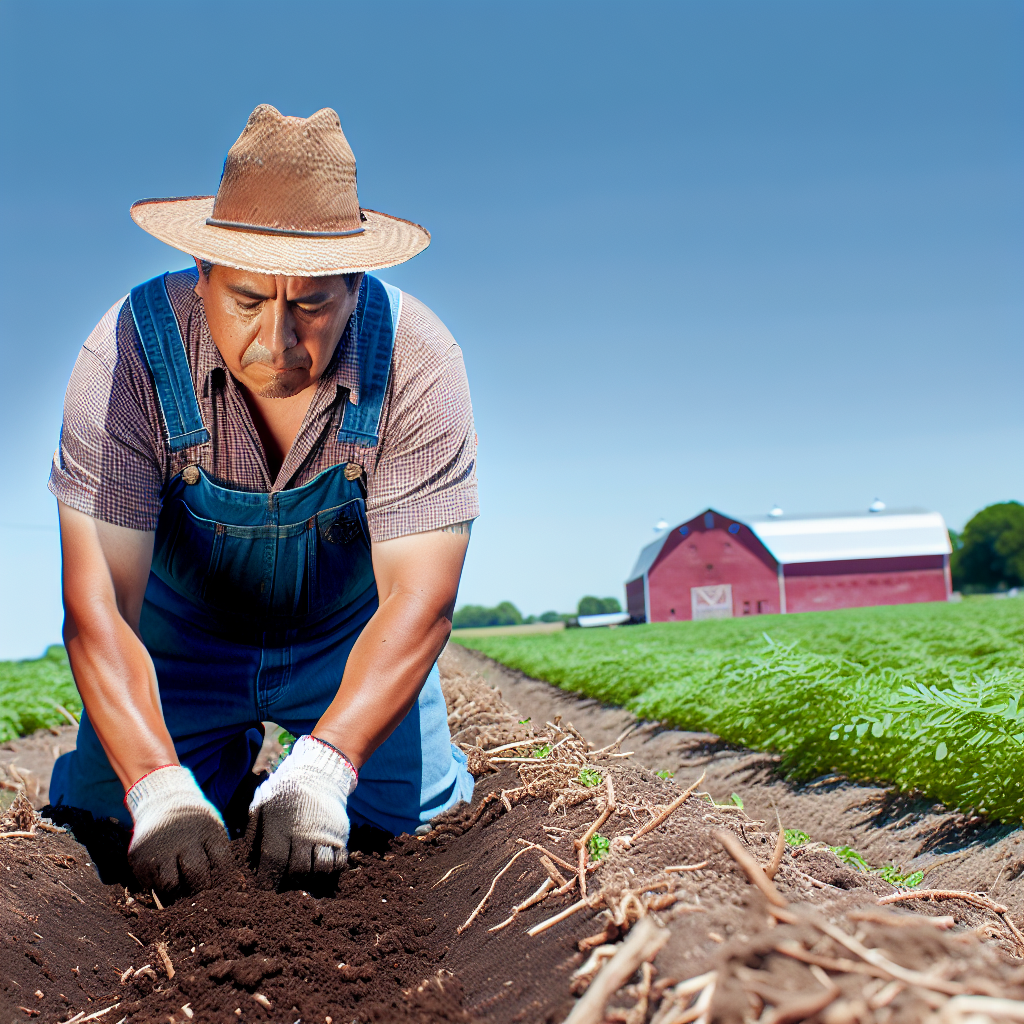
(762, 607)
(746, 607)
(709, 520)
(683, 531)
(734, 528)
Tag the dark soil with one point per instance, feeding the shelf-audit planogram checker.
(385, 945)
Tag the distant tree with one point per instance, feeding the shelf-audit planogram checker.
(990, 555)
(476, 616)
(550, 617)
(590, 605)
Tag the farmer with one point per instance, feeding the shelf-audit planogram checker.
(266, 483)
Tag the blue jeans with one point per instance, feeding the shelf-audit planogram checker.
(215, 693)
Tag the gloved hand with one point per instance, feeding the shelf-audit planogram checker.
(179, 837)
(298, 820)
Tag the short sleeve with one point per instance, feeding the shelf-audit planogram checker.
(424, 473)
(107, 465)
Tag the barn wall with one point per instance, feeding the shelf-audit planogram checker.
(860, 590)
(705, 558)
(635, 600)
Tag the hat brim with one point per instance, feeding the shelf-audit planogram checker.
(385, 241)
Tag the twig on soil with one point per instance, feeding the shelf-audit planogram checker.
(780, 848)
(260, 998)
(19, 835)
(970, 1008)
(661, 818)
(872, 956)
(99, 1013)
(161, 951)
(138, 940)
(901, 920)
(581, 870)
(643, 945)
(805, 1004)
(449, 873)
(671, 1010)
(532, 741)
(554, 874)
(480, 906)
(841, 965)
(554, 856)
(156, 900)
(70, 890)
(975, 898)
(638, 1014)
(67, 714)
(687, 867)
(552, 921)
(816, 882)
(752, 869)
(615, 743)
(545, 887)
(50, 828)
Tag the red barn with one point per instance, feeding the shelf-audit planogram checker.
(716, 567)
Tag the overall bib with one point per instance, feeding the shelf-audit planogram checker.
(254, 601)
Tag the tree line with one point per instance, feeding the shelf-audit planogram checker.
(988, 554)
(507, 614)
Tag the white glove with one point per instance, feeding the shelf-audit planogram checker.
(179, 838)
(298, 821)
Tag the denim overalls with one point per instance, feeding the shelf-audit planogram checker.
(254, 601)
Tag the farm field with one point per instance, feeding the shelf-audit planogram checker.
(926, 697)
(34, 692)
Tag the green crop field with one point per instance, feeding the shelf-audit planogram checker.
(31, 691)
(924, 696)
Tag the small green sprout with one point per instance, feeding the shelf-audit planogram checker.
(894, 876)
(737, 800)
(287, 741)
(850, 856)
(599, 846)
(590, 777)
(665, 774)
(542, 751)
(524, 721)
(794, 837)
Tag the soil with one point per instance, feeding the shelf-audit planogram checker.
(394, 940)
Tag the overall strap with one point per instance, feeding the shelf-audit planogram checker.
(165, 353)
(376, 321)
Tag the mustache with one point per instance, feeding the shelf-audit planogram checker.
(257, 353)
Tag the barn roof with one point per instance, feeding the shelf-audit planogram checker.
(790, 539)
(831, 538)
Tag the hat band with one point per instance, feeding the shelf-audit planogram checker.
(261, 229)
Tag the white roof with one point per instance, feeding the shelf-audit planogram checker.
(834, 538)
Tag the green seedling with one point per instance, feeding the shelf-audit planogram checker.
(794, 837)
(542, 751)
(590, 777)
(737, 800)
(894, 876)
(524, 721)
(850, 856)
(598, 846)
(665, 774)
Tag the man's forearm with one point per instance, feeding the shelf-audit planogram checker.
(384, 674)
(117, 681)
(105, 572)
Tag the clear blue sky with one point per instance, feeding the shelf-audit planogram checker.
(724, 253)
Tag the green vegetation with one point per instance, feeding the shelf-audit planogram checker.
(590, 777)
(474, 616)
(794, 837)
(989, 553)
(31, 691)
(590, 605)
(881, 694)
(599, 846)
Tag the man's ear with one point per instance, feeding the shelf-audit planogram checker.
(202, 285)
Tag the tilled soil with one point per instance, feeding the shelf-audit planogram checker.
(397, 939)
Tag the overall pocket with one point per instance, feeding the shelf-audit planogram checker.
(340, 567)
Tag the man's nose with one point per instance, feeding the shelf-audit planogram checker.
(278, 333)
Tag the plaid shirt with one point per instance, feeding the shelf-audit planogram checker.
(113, 461)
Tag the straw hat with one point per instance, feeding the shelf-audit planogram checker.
(286, 204)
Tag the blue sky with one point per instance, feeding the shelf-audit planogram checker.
(729, 253)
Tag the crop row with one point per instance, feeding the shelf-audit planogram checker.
(927, 697)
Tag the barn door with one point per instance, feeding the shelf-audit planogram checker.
(711, 602)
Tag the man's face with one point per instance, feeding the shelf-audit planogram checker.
(276, 334)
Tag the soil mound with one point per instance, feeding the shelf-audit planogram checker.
(577, 884)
